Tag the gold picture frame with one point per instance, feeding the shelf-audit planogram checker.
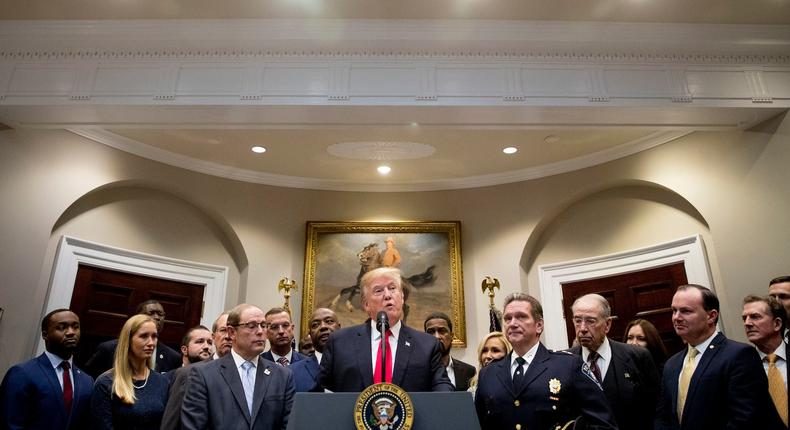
(428, 254)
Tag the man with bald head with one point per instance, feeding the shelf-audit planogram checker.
(352, 357)
(323, 322)
(627, 373)
(241, 390)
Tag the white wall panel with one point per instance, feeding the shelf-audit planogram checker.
(201, 79)
(296, 80)
(42, 79)
(718, 84)
(386, 81)
(778, 83)
(555, 81)
(636, 83)
(127, 78)
(470, 81)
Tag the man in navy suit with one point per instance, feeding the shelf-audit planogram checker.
(629, 378)
(281, 336)
(532, 388)
(764, 319)
(165, 357)
(351, 360)
(241, 390)
(323, 322)
(48, 392)
(715, 383)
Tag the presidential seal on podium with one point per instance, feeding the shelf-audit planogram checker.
(383, 407)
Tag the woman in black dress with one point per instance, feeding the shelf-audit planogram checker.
(131, 395)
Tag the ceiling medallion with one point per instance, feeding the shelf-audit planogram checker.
(381, 150)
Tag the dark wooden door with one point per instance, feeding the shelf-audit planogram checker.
(104, 299)
(645, 294)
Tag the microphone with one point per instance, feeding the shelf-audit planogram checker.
(383, 324)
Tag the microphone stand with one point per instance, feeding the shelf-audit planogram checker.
(383, 325)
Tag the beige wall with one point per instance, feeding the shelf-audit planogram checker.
(728, 186)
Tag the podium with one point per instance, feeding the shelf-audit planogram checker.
(452, 410)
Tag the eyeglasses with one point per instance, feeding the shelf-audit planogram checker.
(588, 321)
(276, 327)
(252, 325)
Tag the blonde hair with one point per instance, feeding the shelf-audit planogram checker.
(493, 335)
(390, 273)
(122, 385)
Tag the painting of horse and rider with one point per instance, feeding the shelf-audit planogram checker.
(338, 254)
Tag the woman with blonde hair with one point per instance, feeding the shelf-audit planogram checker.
(131, 395)
(494, 346)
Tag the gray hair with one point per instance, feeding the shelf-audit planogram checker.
(606, 310)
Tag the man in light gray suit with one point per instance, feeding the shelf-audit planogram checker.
(241, 390)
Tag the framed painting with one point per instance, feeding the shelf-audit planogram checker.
(427, 253)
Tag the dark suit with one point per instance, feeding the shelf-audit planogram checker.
(102, 360)
(500, 405)
(295, 357)
(171, 419)
(728, 390)
(347, 366)
(215, 398)
(31, 397)
(306, 373)
(631, 385)
(463, 373)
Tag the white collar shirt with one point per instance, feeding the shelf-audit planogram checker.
(375, 339)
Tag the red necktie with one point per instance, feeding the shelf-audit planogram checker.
(68, 394)
(387, 360)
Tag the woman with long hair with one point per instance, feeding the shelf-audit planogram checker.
(643, 333)
(494, 346)
(131, 395)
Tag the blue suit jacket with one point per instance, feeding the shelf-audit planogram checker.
(346, 365)
(306, 373)
(31, 397)
(215, 399)
(295, 357)
(500, 405)
(729, 390)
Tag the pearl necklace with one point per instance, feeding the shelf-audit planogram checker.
(147, 374)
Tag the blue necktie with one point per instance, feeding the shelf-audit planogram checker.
(248, 381)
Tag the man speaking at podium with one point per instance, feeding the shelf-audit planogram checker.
(352, 358)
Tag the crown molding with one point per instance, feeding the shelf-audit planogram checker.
(216, 169)
(538, 40)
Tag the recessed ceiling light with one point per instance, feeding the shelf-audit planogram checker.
(258, 149)
(510, 150)
(415, 124)
(384, 169)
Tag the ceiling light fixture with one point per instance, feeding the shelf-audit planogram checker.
(510, 150)
(258, 149)
(384, 169)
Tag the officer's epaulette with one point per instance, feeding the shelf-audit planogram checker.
(561, 351)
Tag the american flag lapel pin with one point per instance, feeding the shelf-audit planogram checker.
(407, 343)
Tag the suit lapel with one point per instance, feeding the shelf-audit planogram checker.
(536, 367)
(707, 358)
(364, 351)
(312, 367)
(230, 373)
(262, 380)
(402, 356)
(54, 384)
(501, 369)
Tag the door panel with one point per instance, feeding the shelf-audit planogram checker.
(645, 294)
(104, 299)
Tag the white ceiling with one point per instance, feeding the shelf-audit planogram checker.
(468, 141)
(663, 11)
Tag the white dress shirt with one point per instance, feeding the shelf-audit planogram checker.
(604, 357)
(375, 339)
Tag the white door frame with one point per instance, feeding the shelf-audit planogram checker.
(72, 252)
(689, 250)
